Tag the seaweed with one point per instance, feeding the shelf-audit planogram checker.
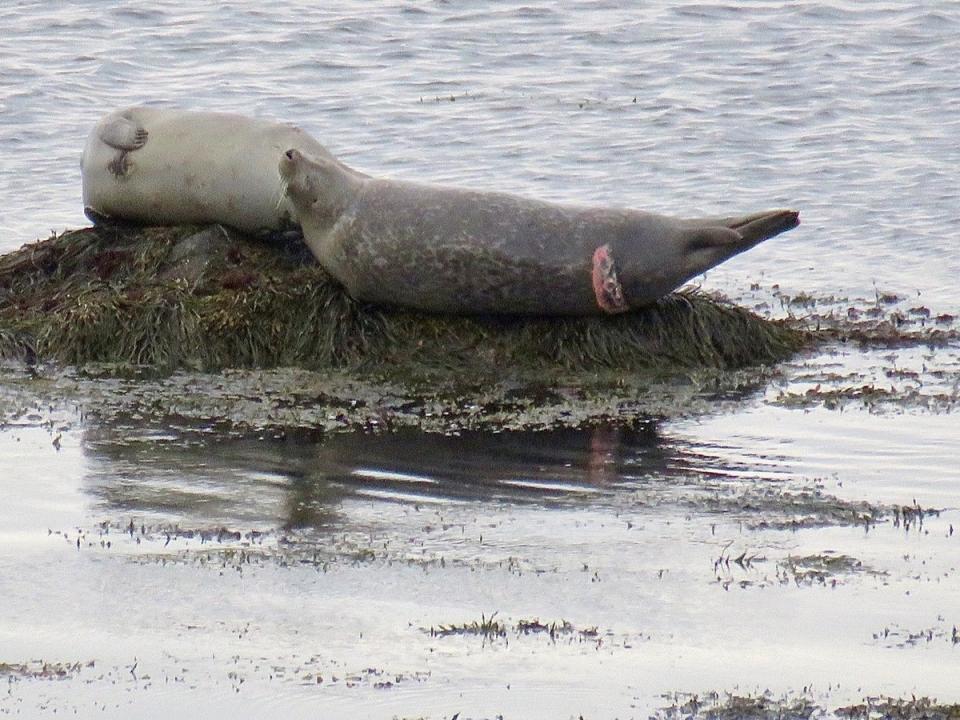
(210, 298)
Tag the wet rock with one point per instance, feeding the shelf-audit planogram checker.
(191, 256)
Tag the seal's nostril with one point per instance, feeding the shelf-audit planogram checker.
(289, 154)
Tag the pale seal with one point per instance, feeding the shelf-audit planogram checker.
(169, 167)
(451, 250)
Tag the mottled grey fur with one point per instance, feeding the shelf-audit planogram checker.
(460, 251)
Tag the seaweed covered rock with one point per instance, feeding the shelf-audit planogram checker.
(210, 298)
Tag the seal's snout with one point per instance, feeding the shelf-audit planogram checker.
(288, 163)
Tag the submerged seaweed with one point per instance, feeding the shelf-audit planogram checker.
(766, 706)
(210, 298)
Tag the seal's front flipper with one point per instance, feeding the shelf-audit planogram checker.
(97, 218)
(100, 219)
(120, 132)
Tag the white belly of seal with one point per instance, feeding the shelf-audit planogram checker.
(192, 168)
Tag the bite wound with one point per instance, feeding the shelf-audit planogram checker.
(606, 284)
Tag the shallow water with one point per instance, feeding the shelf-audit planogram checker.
(351, 547)
(195, 568)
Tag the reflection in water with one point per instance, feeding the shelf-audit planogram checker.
(543, 465)
(196, 476)
(298, 481)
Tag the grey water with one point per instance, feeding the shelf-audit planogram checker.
(116, 540)
(848, 111)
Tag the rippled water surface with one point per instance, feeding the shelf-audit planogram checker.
(191, 570)
(848, 111)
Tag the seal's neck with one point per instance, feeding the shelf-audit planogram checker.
(339, 187)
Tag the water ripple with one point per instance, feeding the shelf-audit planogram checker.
(848, 110)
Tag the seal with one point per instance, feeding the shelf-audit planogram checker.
(170, 167)
(451, 250)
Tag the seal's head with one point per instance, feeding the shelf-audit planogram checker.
(299, 182)
(319, 188)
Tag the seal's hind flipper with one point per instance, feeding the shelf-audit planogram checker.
(708, 243)
(704, 238)
(763, 226)
(120, 132)
(739, 233)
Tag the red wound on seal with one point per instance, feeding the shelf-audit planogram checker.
(606, 284)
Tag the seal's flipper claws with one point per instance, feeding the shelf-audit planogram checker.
(122, 133)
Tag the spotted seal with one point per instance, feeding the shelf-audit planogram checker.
(452, 250)
(169, 167)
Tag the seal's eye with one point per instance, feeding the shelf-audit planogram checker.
(290, 153)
